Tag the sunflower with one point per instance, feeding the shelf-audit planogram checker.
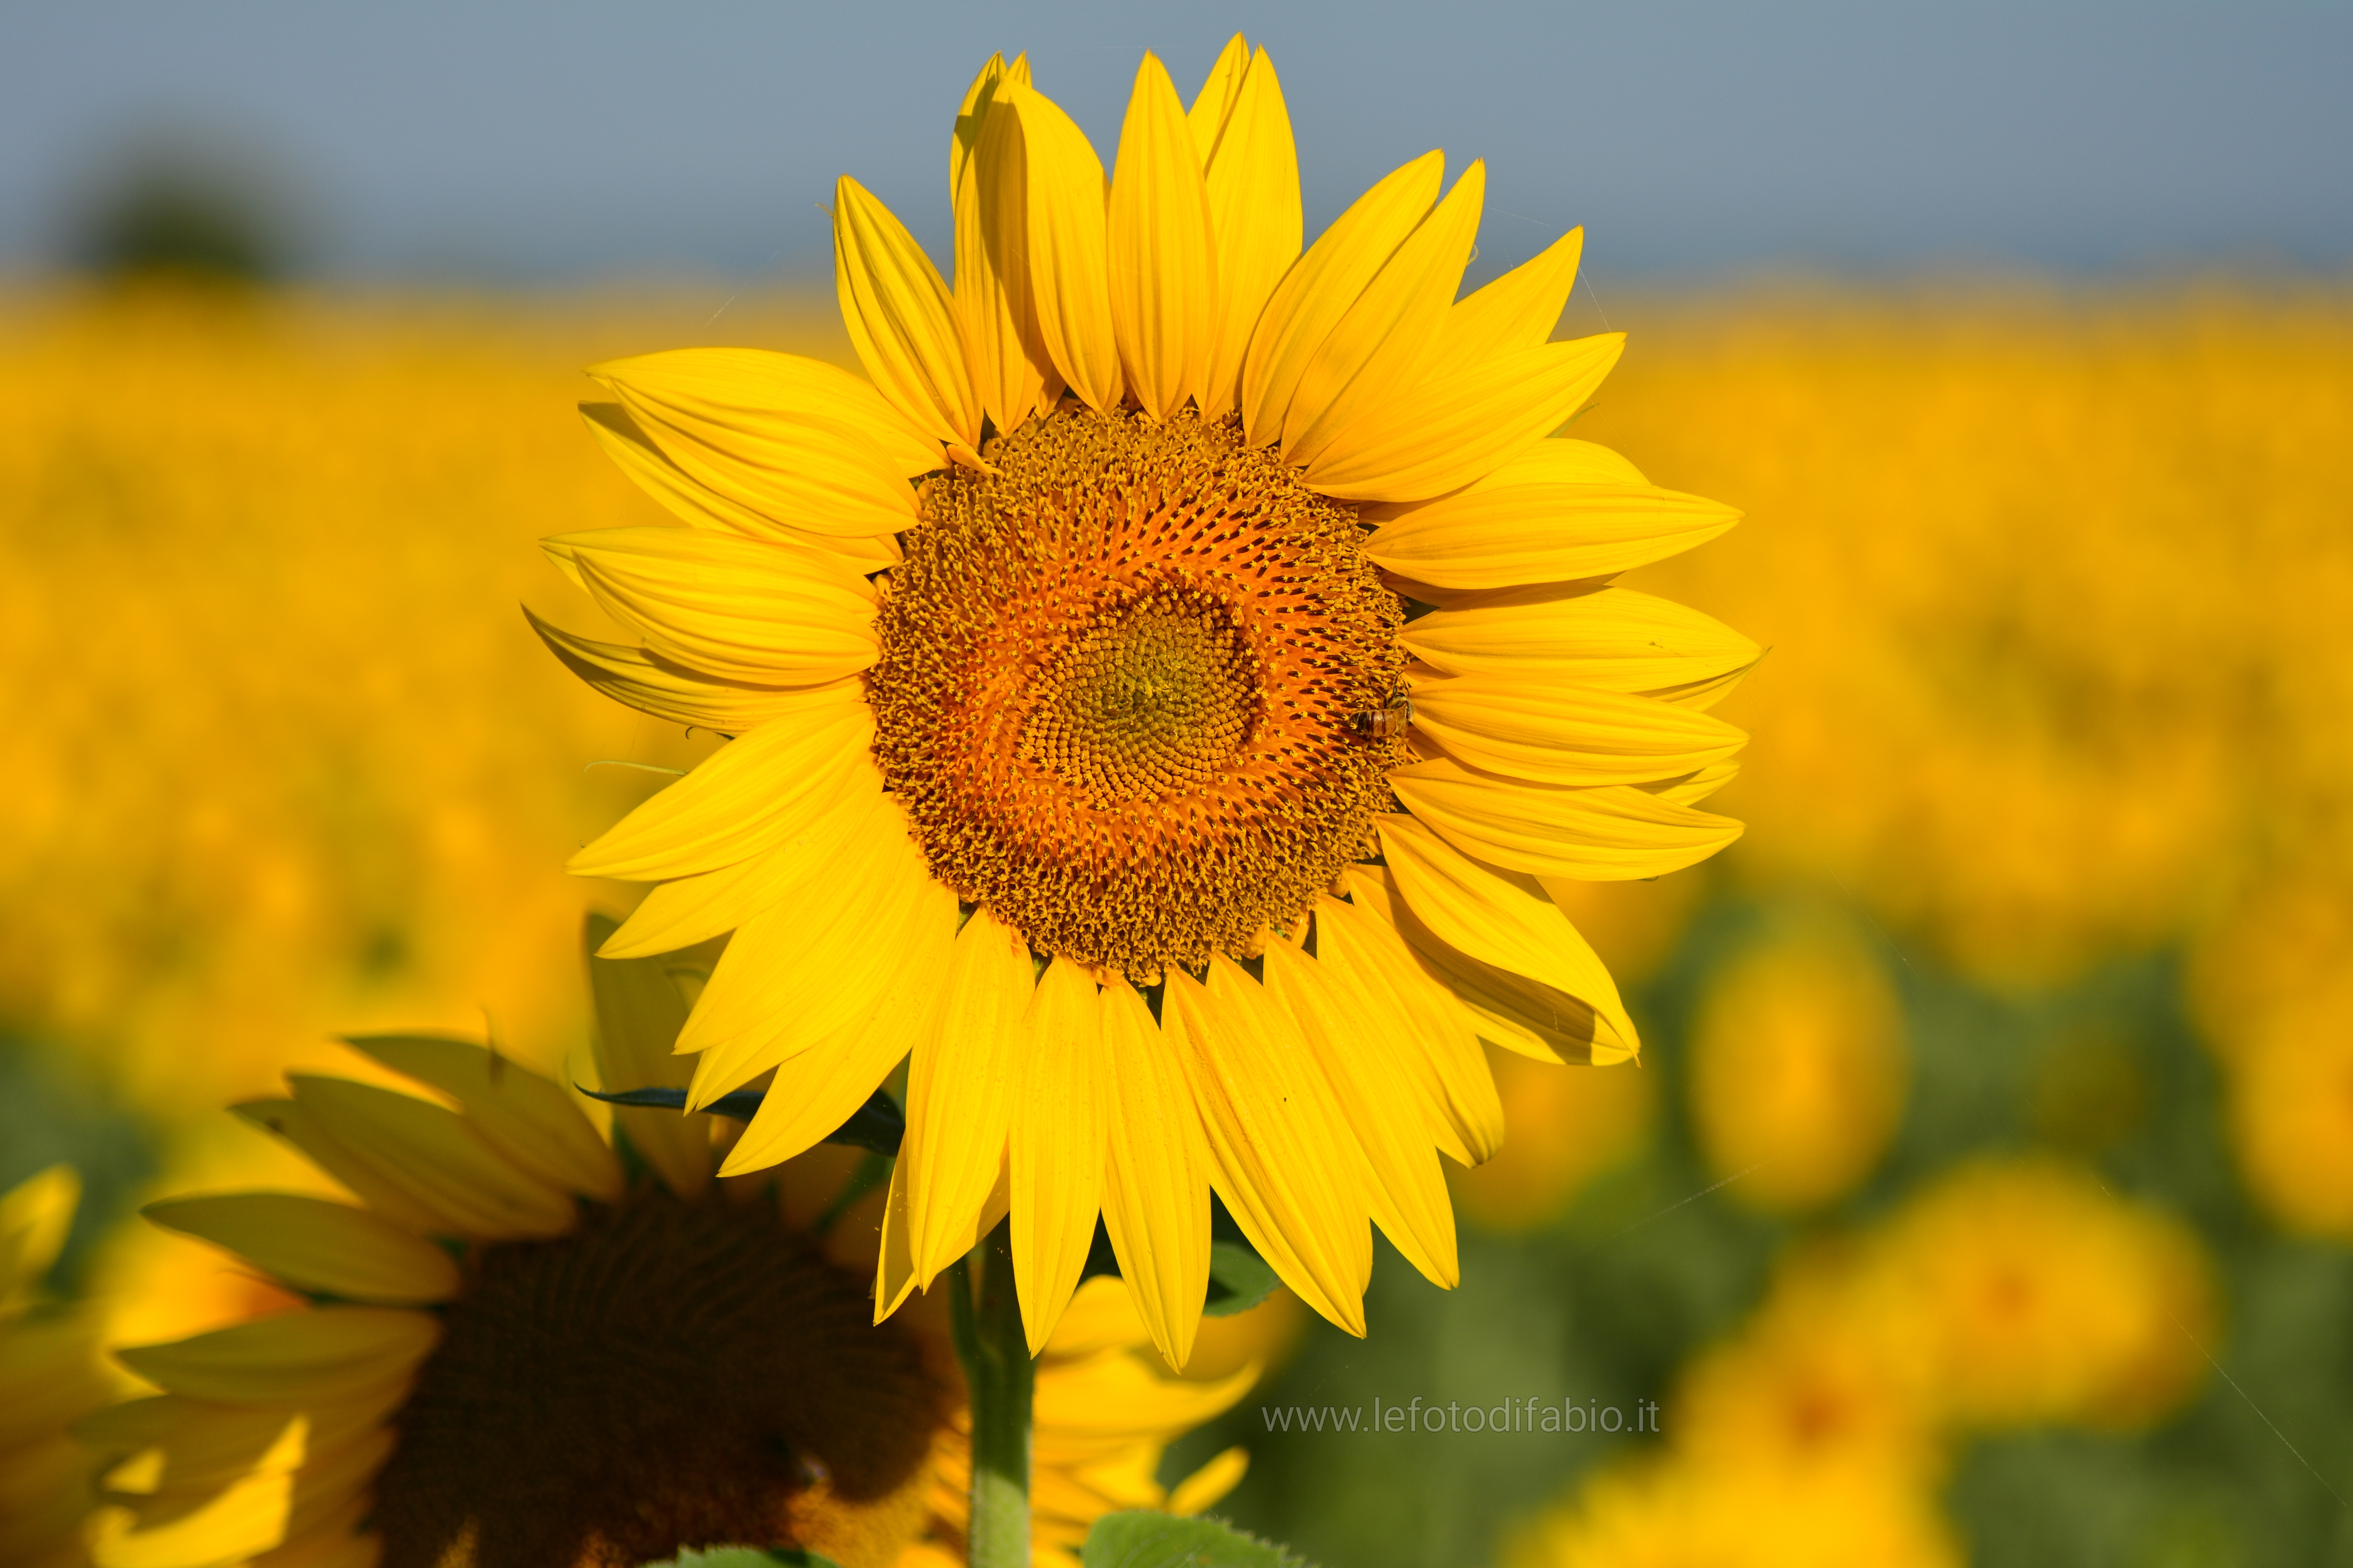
(1163, 695)
(1797, 1067)
(2038, 1296)
(48, 1376)
(1677, 1514)
(514, 1350)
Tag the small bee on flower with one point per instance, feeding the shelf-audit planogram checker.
(1384, 722)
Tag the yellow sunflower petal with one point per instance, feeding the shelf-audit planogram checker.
(960, 1083)
(44, 1505)
(1242, 131)
(325, 1529)
(203, 1444)
(640, 1010)
(737, 608)
(1464, 1113)
(300, 1126)
(818, 1090)
(317, 1244)
(691, 910)
(1517, 310)
(436, 1159)
(35, 1215)
(248, 1517)
(1504, 919)
(632, 677)
(1608, 833)
(293, 1359)
(1220, 92)
(800, 442)
(902, 318)
(745, 799)
(794, 975)
(964, 143)
(1404, 1188)
(695, 503)
(1066, 256)
(524, 1116)
(319, 1500)
(1098, 1406)
(988, 177)
(1512, 1011)
(1316, 292)
(45, 1365)
(1212, 1481)
(1613, 638)
(894, 1270)
(894, 1257)
(1560, 511)
(1559, 733)
(1369, 359)
(1057, 1144)
(1275, 1141)
(1446, 432)
(1694, 788)
(1162, 270)
(1155, 1199)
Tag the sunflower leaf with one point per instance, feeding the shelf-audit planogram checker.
(1143, 1539)
(1239, 1278)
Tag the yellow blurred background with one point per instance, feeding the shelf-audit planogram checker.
(2016, 1036)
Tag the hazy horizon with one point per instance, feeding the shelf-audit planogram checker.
(1699, 142)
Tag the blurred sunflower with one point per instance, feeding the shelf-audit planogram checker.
(514, 1351)
(1677, 1514)
(2036, 1295)
(1824, 1376)
(1797, 1067)
(49, 1374)
(1078, 635)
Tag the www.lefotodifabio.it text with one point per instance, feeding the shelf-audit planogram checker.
(1533, 1414)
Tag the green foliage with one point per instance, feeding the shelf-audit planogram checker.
(1147, 1540)
(1239, 1278)
(212, 213)
(48, 1116)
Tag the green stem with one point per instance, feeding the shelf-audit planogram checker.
(995, 1350)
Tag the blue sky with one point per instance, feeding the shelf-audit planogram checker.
(526, 141)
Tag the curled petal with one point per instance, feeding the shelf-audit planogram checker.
(802, 443)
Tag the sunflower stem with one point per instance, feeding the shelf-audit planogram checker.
(995, 1352)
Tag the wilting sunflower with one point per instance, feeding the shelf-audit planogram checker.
(515, 1352)
(1163, 695)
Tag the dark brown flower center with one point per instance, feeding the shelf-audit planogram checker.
(673, 1374)
(1117, 682)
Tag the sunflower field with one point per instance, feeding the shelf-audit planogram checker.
(1983, 1193)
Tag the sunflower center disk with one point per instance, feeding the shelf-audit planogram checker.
(673, 1374)
(1116, 688)
(1151, 701)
